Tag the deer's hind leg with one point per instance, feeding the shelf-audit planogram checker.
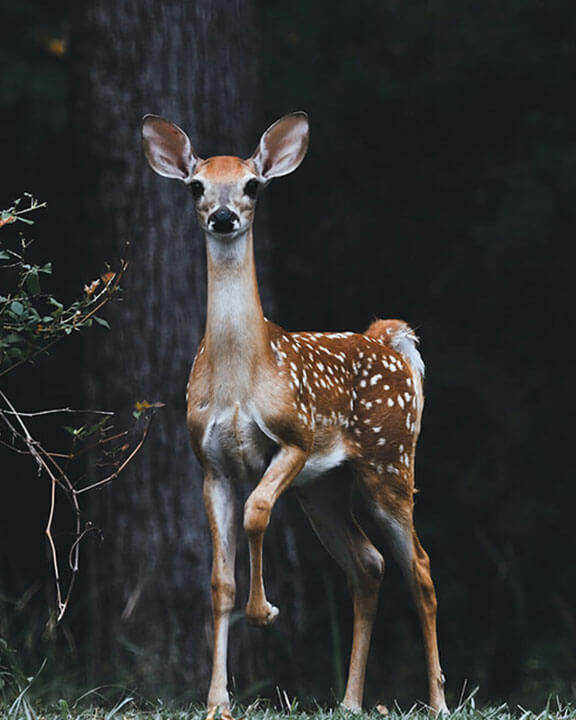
(327, 505)
(390, 498)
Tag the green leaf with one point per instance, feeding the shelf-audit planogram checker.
(96, 427)
(12, 339)
(33, 316)
(76, 432)
(63, 707)
(4, 255)
(47, 269)
(33, 283)
(102, 322)
(16, 307)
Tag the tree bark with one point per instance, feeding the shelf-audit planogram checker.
(196, 64)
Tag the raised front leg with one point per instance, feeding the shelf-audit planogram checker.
(279, 476)
(221, 510)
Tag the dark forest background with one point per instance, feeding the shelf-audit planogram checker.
(439, 187)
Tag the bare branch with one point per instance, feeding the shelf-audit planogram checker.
(47, 463)
(59, 411)
(115, 474)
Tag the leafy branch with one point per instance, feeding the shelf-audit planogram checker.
(31, 322)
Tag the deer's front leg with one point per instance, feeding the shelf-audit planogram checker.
(280, 474)
(220, 502)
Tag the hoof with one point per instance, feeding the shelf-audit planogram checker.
(217, 711)
(351, 707)
(262, 617)
(441, 710)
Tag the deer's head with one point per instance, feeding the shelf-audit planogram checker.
(225, 188)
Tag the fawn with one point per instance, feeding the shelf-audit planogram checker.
(280, 409)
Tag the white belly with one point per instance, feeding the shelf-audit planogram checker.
(320, 462)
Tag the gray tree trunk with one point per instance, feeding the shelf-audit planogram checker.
(196, 64)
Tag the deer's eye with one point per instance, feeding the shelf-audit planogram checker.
(251, 188)
(197, 189)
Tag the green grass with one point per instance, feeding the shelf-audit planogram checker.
(24, 698)
(91, 707)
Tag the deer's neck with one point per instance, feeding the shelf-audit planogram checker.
(236, 336)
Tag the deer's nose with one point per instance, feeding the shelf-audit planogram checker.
(223, 220)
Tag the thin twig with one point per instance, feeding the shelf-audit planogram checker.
(42, 465)
(57, 411)
(48, 463)
(115, 474)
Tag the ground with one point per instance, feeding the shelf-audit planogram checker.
(126, 709)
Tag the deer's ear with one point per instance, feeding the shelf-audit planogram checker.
(167, 148)
(283, 146)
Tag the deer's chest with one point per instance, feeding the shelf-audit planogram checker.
(233, 443)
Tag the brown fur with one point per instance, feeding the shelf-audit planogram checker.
(385, 328)
(223, 168)
(279, 409)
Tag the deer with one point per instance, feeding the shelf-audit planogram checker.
(280, 409)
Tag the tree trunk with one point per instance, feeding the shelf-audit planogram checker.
(196, 64)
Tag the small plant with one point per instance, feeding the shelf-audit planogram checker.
(31, 322)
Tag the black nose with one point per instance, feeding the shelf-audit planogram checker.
(222, 220)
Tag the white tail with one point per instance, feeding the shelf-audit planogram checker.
(280, 409)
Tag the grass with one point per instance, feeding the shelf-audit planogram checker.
(21, 698)
(126, 711)
(90, 706)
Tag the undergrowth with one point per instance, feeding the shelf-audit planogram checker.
(94, 706)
